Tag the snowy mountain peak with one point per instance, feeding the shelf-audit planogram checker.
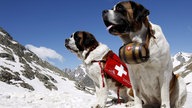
(4, 33)
(181, 58)
(22, 68)
(186, 56)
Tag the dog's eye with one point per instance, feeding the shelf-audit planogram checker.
(113, 30)
(77, 38)
(119, 8)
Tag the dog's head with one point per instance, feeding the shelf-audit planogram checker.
(81, 41)
(125, 17)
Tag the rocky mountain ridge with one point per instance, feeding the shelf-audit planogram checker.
(182, 63)
(79, 76)
(21, 67)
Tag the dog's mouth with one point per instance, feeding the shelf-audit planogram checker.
(116, 23)
(69, 48)
(116, 28)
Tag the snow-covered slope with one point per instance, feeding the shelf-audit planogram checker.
(181, 58)
(22, 68)
(67, 97)
(182, 63)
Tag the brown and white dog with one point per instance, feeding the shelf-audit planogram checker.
(153, 81)
(90, 51)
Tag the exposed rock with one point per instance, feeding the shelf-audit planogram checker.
(27, 86)
(19, 64)
(7, 56)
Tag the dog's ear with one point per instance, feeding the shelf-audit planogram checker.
(140, 12)
(89, 40)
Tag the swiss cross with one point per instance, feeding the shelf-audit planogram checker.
(129, 47)
(120, 70)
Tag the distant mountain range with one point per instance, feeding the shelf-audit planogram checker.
(79, 75)
(182, 60)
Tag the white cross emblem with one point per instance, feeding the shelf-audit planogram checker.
(120, 70)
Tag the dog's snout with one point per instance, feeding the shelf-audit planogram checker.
(105, 11)
(66, 41)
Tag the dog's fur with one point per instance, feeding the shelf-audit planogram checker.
(89, 50)
(154, 84)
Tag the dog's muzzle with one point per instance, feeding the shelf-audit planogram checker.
(115, 22)
(66, 43)
(134, 53)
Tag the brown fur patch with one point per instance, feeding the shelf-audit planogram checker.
(89, 37)
(129, 9)
(130, 16)
(131, 92)
(173, 83)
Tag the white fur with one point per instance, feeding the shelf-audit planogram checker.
(97, 54)
(150, 80)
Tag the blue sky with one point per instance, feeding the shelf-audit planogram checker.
(44, 24)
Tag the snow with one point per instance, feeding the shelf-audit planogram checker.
(14, 42)
(182, 69)
(1, 33)
(188, 103)
(16, 66)
(1, 49)
(68, 97)
(11, 96)
(181, 58)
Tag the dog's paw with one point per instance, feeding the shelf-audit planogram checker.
(130, 104)
(117, 101)
(96, 106)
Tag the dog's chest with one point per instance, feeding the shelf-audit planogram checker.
(94, 72)
(146, 80)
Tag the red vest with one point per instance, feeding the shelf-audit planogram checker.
(117, 69)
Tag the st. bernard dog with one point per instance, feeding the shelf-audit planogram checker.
(94, 54)
(147, 55)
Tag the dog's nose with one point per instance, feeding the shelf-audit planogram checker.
(105, 11)
(66, 41)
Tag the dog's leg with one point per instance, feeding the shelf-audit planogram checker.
(125, 94)
(137, 100)
(179, 94)
(102, 94)
(165, 95)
